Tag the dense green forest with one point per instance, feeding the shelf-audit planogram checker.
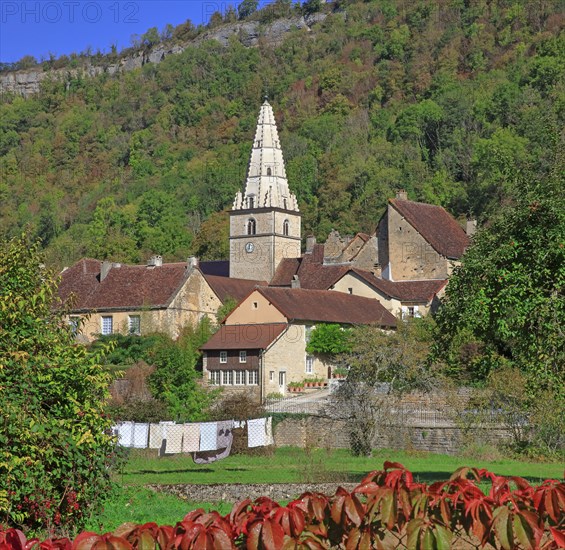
(450, 100)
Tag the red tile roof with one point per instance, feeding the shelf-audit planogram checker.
(226, 287)
(258, 336)
(405, 291)
(436, 225)
(311, 272)
(125, 286)
(287, 268)
(327, 306)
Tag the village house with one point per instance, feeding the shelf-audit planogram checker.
(401, 298)
(107, 297)
(261, 346)
(418, 243)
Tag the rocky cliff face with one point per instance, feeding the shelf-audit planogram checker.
(28, 82)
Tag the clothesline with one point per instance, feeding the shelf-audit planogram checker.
(205, 441)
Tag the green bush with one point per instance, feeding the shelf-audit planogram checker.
(56, 447)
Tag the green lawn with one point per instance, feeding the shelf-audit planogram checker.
(292, 465)
(140, 505)
(132, 502)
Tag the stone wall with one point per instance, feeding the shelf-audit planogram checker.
(333, 434)
(410, 256)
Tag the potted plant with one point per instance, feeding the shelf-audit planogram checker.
(294, 387)
(339, 372)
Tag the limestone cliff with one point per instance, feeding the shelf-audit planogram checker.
(27, 82)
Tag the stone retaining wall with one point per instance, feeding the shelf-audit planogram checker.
(334, 434)
(235, 492)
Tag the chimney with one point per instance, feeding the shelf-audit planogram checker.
(155, 261)
(192, 262)
(310, 242)
(471, 227)
(402, 195)
(377, 270)
(105, 269)
(295, 283)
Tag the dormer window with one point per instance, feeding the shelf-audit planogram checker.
(286, 227)
(251, 226)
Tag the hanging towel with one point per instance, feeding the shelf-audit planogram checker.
(155, 436)
(208, 436)
(224, 439)
(270, 440)
(190, 438)
(140, 435)
(164, 425)
(173, 444)
(256, 432)
(125, 434)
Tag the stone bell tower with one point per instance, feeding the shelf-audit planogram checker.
(264, 219)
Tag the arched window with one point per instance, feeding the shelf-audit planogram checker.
(251, 226)
(250, 202)
(269, 171)
(286, 227)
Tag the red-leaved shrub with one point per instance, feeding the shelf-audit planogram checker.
(388, 509)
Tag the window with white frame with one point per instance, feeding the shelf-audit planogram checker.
(215, 377)
(227, 378)
(309, 364)
(252, 377)
(308, 332)
(107, 324)
(223, 356)
(410, 311)
(134, 324)
(243, 356)
(239, 377)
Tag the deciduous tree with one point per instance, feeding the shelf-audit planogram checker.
(56, 448)
(505, 305)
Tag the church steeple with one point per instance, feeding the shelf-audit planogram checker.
(264, 221)
(266, 185)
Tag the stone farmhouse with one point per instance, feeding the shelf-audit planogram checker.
(400, 270)
(109, 297)
(261, 345)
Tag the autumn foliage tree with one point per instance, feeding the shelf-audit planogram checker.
(56, 448)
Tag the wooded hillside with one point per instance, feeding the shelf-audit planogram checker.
(450, 100)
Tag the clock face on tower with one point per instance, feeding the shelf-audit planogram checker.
(249, 247)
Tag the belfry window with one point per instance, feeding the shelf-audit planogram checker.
(286, 226)
(251, 226)
(250, 202)
(269, 171)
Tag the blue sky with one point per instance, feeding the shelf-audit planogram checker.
(38, 27)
